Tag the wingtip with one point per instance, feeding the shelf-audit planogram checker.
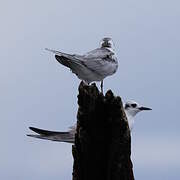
(34, 136)
(36, 130)
(30, 135)
(31, 128)
(47, 49)
(52, 51)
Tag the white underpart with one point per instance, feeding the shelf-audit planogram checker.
(130, 118)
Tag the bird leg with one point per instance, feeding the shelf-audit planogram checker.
(102, 86)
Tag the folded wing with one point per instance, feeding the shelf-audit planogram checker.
(52, 135)
(101, 61)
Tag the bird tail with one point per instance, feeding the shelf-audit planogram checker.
(68, 60)
(52, 135)
(57, 52)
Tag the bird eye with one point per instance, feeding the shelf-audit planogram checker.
(134, 105)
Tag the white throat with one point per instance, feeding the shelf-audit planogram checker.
(130, 114)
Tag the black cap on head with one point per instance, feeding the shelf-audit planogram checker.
(106, 42)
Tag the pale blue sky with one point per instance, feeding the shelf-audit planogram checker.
(37, 91)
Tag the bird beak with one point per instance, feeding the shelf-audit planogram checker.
(144, 108)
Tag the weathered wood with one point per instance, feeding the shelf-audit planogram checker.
(102, 143)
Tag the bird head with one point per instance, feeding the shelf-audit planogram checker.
(132, 108)
(107, 43)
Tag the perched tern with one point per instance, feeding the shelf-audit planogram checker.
(131, 108)
(92, 66)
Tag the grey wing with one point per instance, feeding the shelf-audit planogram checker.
(98, 53)
(72, 61)
(65, 59)
(101, 61)
(52, 135)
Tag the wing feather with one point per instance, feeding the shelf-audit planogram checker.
(52, 135)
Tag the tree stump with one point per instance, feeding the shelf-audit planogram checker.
(102, 146)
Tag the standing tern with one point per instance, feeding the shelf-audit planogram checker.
(92, 66)
(131, 108)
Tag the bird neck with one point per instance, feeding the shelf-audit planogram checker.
(130, 117)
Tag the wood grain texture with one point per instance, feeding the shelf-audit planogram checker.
(102, 142)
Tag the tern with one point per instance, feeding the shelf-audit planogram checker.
(131, 108)
(92, 66)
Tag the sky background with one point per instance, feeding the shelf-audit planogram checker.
(37, 91)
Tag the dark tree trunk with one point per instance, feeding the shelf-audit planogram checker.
(102, 143)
